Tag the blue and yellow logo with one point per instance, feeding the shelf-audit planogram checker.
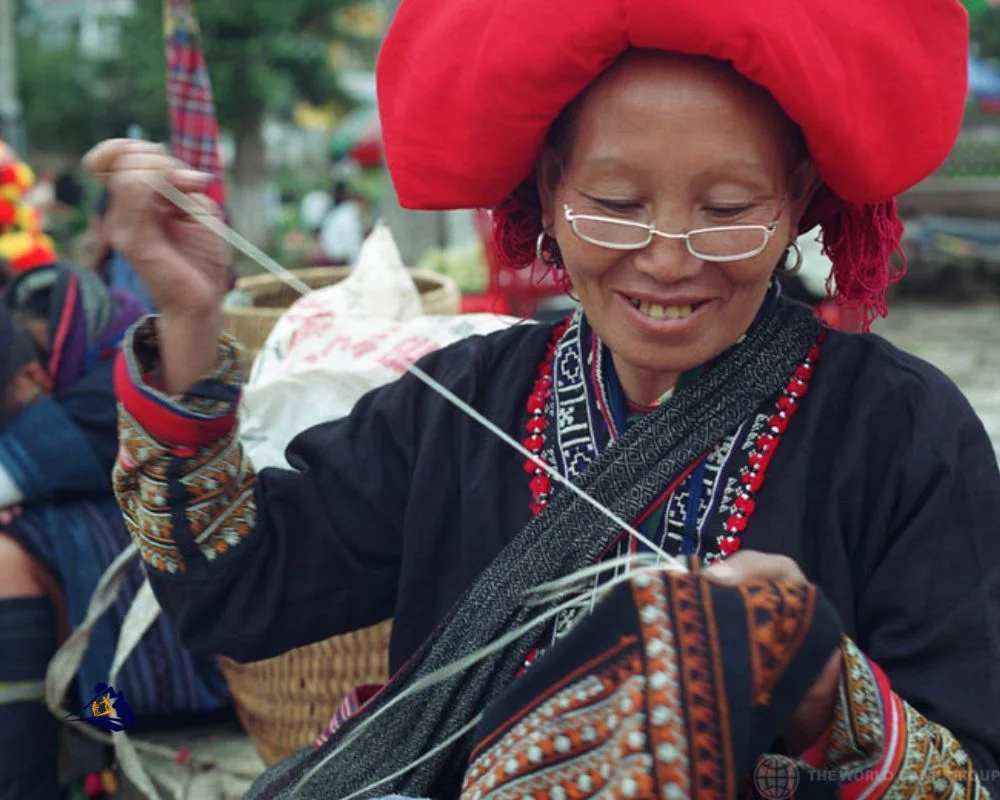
(108, 710)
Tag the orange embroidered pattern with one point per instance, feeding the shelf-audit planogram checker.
(666, 712)
(212, 486)
(586, 738)
(779, 614)
(713, 772)
(218, 482)
(926, 760)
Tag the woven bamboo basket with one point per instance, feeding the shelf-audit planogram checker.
(439, 296)
(284, 702)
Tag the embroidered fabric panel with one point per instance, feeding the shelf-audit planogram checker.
(211, 488)
(574, 447)
(685, 606)
(657, 711)
(895, 751)
(722, 466)
(777, 616)
(167, 473)
(582, 741)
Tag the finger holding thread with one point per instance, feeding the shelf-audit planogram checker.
(203, 214)
(101, 160)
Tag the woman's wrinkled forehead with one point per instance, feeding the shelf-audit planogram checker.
(651, 103)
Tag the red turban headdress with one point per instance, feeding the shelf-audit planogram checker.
(468, 90)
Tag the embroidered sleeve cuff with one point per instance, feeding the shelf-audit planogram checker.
(206, 414)
(883, 748)
(864, 742)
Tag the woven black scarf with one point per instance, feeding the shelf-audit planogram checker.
(569, 535)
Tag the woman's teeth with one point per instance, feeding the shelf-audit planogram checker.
(657, 311)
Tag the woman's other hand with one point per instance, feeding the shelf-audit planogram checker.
(815, 712)
(183, 264)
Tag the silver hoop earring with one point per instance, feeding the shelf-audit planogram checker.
(549, 256)
(797, 266)
(540, 248)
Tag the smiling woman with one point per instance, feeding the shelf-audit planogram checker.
(664, 164)
(661, 305)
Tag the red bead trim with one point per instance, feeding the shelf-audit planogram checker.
(752, 477)
(540, 483)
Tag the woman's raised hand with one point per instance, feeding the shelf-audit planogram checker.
(183, 264)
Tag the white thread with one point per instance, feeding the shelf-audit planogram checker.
(567, 585)
(436, 677)
(552, 473)
(555, 588)
(250, 250)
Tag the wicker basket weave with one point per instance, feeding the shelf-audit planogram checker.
(285, 702)
(439, 296)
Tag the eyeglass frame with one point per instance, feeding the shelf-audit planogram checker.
(769, 230)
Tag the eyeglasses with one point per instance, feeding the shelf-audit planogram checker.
(724, 243)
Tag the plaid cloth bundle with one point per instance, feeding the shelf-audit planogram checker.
(193, 126)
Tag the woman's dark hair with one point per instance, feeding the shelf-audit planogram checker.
(517, 221)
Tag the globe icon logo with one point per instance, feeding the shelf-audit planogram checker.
(775, 777)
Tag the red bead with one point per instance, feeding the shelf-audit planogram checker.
(537, 424)
(765, 442)
(534, 443)
(786, 403)
(745, 505)
(736, 524)
(532, 468)
(536, 404)
(804, 372)
(541, 484)
(777, 424)
(728, 545)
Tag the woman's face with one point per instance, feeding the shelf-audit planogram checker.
(684, 144)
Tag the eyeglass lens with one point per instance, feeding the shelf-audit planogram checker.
(719, 243)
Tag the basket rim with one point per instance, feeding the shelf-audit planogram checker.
(257, 284)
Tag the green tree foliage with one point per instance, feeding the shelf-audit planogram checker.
(66, 98)
(262, 56)
(986, 32)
